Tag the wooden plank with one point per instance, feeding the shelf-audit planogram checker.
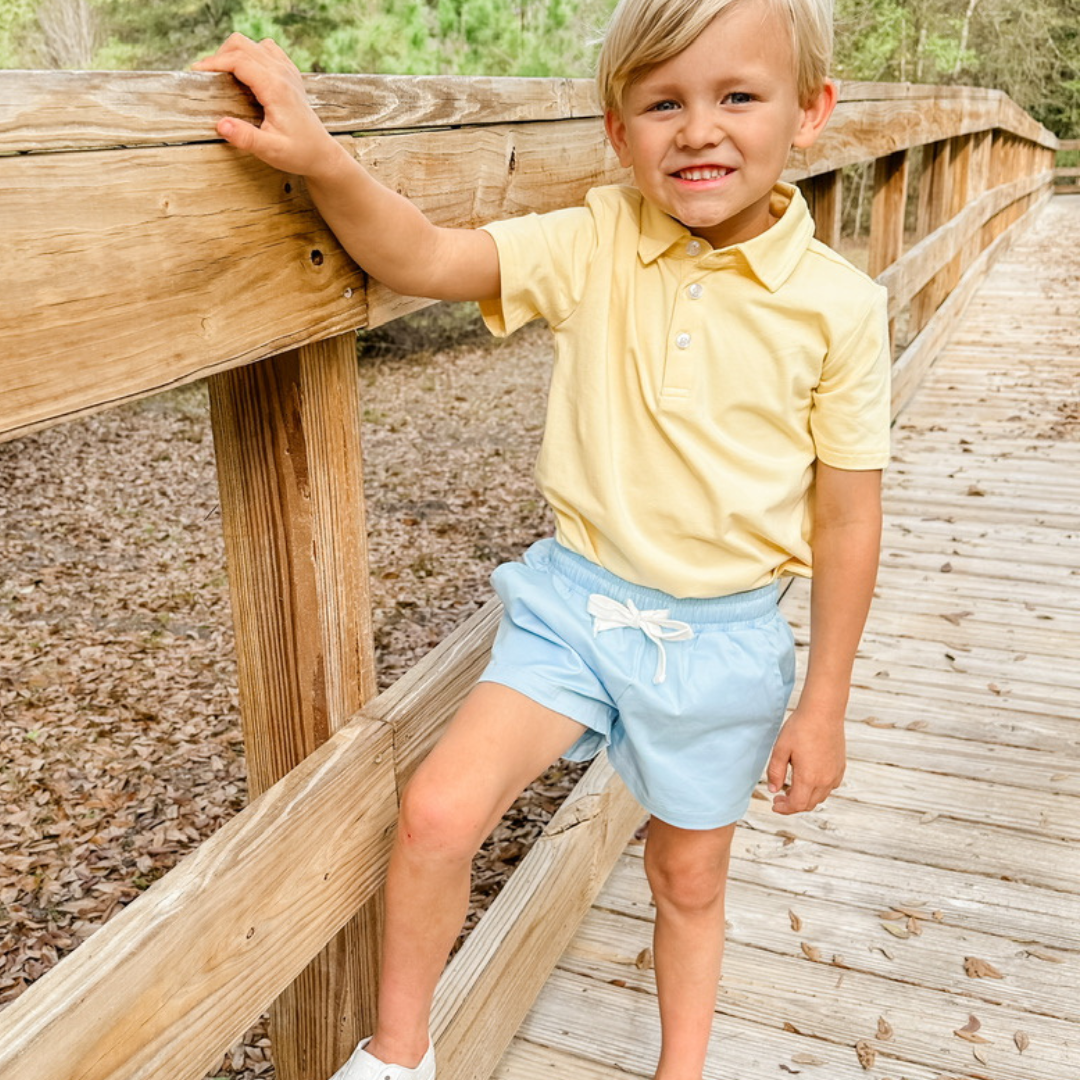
(171, 982)
(589, 1020)
(758, 918)
(67, 110)
(290, 470)
(493, 981)
(924, 836)
(201, 259)
(887, 211)
(838, 1002)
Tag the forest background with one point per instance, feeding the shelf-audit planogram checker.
(1030, 49)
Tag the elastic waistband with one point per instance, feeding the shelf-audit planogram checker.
(591, 578)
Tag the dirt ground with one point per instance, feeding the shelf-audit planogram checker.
(119, 726)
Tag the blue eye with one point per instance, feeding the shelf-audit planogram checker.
(663, 106)
(739, 97)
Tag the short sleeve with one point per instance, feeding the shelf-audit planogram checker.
(851, 408)
(543, 264)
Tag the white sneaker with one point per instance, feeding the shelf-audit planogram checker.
(365, 1066)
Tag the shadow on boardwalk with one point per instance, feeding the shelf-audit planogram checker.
(941, 883)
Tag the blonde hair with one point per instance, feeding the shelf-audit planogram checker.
(644, 33)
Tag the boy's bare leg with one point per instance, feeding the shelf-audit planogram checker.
(687, 871)
(497, 744)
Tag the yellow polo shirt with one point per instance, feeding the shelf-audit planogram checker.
(693, 388)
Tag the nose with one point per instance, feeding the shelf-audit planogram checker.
(701, 128)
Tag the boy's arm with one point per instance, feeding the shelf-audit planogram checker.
(847, 538)
(380, 229)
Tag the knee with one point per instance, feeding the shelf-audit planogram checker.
(685, 884)
(438, 822)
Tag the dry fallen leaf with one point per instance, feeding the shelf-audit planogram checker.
(807, 1059)
(796, 922)
(968, 1031)
(644, 960)
(884, 1029)
(897, 931)
(975, 968)
(980, 1055)
(1022, 1041)
(810, 951)
(788, 837)
(866, 1054)
(913, 926)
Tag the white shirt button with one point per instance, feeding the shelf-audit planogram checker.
(683, 341)
(693, 248)
(695, 291)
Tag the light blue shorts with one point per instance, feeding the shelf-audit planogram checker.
(687, 695)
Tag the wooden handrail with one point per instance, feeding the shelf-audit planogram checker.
(184, 231)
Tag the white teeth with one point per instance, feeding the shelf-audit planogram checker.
(703, 174)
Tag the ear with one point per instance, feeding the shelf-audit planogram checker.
(616, 133)
(815, 115)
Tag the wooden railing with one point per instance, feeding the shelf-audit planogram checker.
(1067, 177)
(140, 253)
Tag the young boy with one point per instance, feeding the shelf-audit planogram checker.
(719, 409)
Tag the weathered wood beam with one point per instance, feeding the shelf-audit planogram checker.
(172, 981)
(887, 211)
(824, 196)
(178, 965)
(287, 441)
(84, 110)
(197, 259)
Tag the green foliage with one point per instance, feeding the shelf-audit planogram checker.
(1030, 50)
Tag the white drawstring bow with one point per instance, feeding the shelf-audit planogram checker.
(609, 614)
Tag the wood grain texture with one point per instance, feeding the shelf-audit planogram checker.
(824, 196)
(887, 211)
(81, 110)
(287, 441)
(170, 983)
(199, 260)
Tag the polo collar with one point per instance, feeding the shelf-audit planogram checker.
(771, 257)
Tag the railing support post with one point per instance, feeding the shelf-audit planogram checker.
(287, 437)
(823, 196)
(933, 213)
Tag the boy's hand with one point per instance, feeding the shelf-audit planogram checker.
(813, 745)
(292, 137)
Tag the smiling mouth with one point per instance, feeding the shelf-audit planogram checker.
(706, 172)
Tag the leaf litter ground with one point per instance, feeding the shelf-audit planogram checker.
(118, 706)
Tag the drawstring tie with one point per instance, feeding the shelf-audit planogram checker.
(609, 614)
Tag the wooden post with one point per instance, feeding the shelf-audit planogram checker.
(887, 211)
(823, 196)
(933, 213)
(979, 180)
(287, 436)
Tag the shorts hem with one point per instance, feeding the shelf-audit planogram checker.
(591, 714)
(698, 822)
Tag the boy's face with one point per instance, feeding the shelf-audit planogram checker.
(708, 132)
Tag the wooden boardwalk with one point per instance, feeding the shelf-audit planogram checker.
(952, 846)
